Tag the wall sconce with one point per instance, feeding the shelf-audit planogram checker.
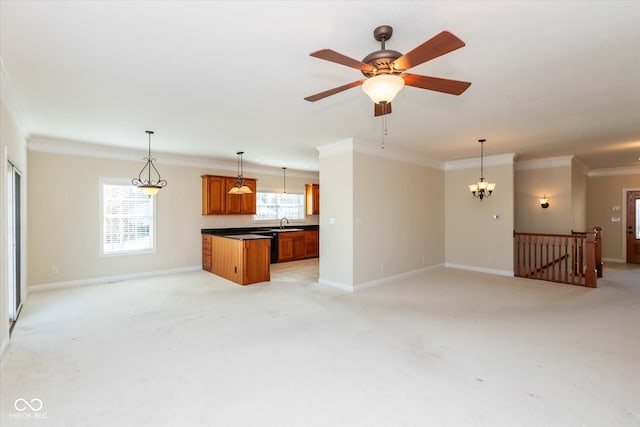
(544, 202)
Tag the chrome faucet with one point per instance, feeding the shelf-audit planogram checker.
(285, 219)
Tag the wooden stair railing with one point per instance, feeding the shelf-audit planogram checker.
(564, 258)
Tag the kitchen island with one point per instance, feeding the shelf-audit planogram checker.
(287, 243)
(241, 258)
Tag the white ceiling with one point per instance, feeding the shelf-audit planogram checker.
(549, 78)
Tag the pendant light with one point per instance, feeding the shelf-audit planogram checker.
(240, 186)
(284, 180)
(482, 188)
(149, 186)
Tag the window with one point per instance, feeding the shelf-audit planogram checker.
(127, 218)
(278, 205)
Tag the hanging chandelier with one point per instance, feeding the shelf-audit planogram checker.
(240, 186)
(482, 188)
(149, 186)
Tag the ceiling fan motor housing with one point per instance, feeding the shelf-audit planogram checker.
(381, 59)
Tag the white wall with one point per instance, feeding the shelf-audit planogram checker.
(13, 144)
(377, 219)
(534, 179)
(473, 239)
(606, 202)
(336, 215)
(578, 196)
(398, 217)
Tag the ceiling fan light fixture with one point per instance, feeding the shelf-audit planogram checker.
(383, 87)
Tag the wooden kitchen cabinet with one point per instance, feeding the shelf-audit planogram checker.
(240, 204)
(296, 245)
(243, 261)
(311, 244)
(213, 195)
(312, 193)
(291, 245)
(206, 253)
(216, 199)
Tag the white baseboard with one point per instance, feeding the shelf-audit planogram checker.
(338, 285)
(360, 286)
(378, 282)
(614, 260)
(110, 279)
(508, 273)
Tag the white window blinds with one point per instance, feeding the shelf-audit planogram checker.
(127, 219)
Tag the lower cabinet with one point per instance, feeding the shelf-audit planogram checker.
(312, 244)
(206, 253)
(241, 261)
(298, 245)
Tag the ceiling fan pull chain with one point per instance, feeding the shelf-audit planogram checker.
(385, 130)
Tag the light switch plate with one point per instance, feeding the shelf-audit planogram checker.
(615, 208)
(615, 219)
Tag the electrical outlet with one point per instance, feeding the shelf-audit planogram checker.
(55, 269)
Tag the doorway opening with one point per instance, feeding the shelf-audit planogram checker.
(14, 243)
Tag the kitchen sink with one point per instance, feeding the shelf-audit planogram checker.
(284, 230)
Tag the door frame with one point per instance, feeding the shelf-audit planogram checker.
(14, 261)
(624, 220)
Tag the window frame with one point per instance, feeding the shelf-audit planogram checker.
(124, 181)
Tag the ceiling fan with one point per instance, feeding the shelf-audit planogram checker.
(385, 69)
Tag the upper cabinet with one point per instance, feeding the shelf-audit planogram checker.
(313, 199)
(216, 199)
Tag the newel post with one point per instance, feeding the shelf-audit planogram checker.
(599, 266)
(591, 274)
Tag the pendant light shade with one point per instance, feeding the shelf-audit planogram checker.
(240, 186)
(482, 188)
(383, 87)
(148, 184)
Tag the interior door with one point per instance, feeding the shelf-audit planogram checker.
(633, 227)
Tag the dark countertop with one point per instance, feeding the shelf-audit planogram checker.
(253, 230)
(246, 236)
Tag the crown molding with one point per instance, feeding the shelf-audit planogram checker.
(75, 148)
(550, 162)
(394, 153)
(349, 145)
(583, 168)
(632, 170)
(10, 100)
(334, 148)
(495, 160)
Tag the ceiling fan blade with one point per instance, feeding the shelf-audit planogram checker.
(381, 109)
(453, 87)
(438, 45)
(321, 95)
(338, 58)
